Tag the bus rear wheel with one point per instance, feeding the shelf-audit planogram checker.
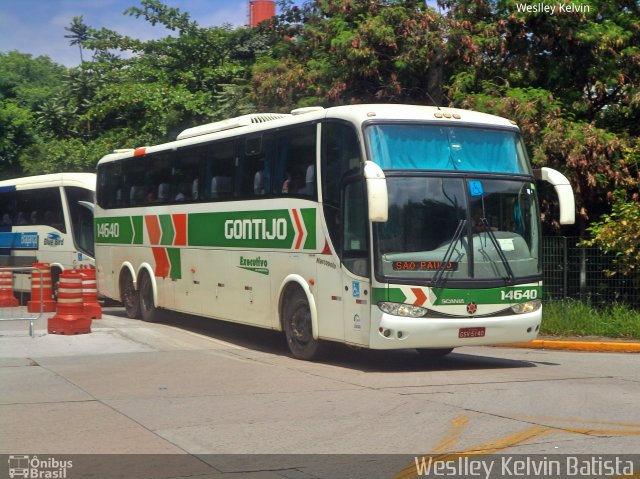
(298, 329)
(129, 296)
(147, 306)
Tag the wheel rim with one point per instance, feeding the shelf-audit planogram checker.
(147, 300)
(129, 295)
(300, 326)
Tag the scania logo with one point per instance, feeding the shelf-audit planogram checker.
(472, 308)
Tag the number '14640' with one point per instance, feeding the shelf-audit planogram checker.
(518, 294)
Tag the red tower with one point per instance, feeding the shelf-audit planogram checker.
(260, 10)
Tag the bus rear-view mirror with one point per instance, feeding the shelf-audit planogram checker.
(563, 190)
(377, 196)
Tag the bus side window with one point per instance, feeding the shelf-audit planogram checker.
(294, 166)
(340, 154)
(355, 255)
(219, 160)
(221, 186)
(256, 165)
(44, 205)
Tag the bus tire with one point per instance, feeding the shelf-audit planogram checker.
(434, 353)
(129, 295)
(150, 313)
(297, 326)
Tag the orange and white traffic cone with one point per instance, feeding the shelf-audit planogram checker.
(7, 299)
(70, 317)
(41, 300)
(90, 304)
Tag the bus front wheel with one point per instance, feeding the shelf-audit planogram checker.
(147, 306)
(298, 329)
(129, 296)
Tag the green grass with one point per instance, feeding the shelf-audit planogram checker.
(580, 318)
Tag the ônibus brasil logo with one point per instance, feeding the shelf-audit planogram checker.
(34, 467)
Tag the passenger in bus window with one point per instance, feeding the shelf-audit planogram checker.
(20, 219)
(310, 182)
(182, 192)
(286, 185)
(151, 196)
(258, 183)
(164, 191)
(195, 189)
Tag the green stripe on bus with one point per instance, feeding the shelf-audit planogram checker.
(503, 295)
(394, 295)
(250, 229)
(175, 270)
(118, 230)
(452, 296)
(168, 233)
(138, 228)
(309, 219)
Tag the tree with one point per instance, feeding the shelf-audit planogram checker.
(25, 83)
(619, 233)
(16, 134)
(79, 33)
(353, 51)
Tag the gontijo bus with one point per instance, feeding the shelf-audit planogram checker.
(47, 219)
(380, 226)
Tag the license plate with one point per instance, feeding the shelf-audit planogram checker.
(471, 332)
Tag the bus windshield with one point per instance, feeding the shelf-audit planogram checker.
(498, 221)
(454, 148)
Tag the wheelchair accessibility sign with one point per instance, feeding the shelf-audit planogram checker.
(475, 188)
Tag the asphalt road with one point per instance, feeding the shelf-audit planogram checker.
(192, 393)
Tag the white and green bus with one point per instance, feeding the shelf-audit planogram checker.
(379, 226)
(46, 219)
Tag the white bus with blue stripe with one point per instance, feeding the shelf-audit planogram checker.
(47, 219)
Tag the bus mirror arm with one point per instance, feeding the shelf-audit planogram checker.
(377, 196)
(88, 205)
(563, 190)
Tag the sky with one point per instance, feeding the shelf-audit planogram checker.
(37, 26)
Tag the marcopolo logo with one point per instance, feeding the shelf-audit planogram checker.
(37, 468)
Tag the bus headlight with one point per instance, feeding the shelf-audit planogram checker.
(399, 309)
(528, 307)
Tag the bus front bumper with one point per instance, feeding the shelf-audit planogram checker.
(397, 332)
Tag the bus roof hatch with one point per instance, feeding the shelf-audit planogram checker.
(240, 121)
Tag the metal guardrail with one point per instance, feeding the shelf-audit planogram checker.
(18, 313)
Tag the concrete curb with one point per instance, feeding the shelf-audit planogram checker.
(599, 346)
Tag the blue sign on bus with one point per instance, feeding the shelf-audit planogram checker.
(19, 240)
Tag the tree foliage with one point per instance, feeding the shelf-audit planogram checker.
(619, 233)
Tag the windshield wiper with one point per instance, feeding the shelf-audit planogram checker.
(496, 245)
(447, 255)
